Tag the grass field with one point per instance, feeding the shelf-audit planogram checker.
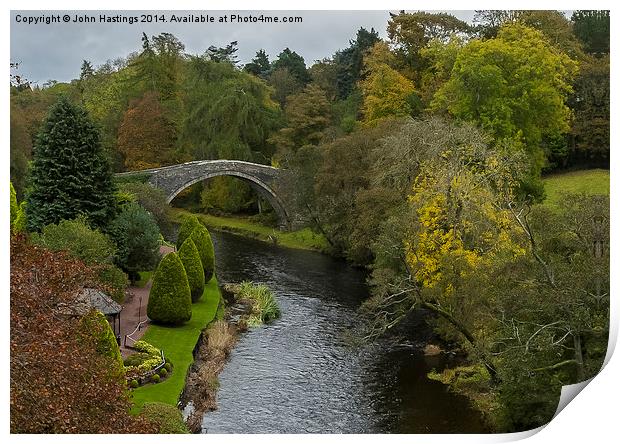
(178, 345)
(302, 239)
(587, 181)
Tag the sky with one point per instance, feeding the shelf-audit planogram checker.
(55, 51)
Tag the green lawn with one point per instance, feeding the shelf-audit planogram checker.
(178, 344)
(145, 276)
(587, 181)
(301, 239)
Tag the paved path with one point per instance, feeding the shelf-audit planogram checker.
(134, 310)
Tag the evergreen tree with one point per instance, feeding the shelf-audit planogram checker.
(260, 65)
(295, 64)
(225, 54)
(193, 268)
(70, 172)
(170, 299)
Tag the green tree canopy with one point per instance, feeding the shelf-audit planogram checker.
(70, 173)
(515, 86)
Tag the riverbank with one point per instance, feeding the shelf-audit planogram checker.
(303, 239)
(178, 344)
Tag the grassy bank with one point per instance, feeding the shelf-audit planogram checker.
(587, 181)
(178, 345)
(301, 239)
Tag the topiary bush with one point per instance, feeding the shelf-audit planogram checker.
(167, 417)
(97, 326)
(134, 383)
(202, 239)
(155, 378)
(190, 222)
(168, 366)
(136, 235)
(193, 267)
(170, 299)
(76, 237)
(163, 372)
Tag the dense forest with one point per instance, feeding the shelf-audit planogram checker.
(419, 157)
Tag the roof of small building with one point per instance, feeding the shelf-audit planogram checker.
(101, 301)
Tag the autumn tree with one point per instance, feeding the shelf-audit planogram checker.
(70, 173)
(89, 395)
(387, 93)
(146, 138)
(284, 84)
(493, 83)
(307, 114)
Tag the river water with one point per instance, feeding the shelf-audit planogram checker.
(300, 374)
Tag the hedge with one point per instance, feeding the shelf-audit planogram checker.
(168, 418)
(170, 299)
(193, 267)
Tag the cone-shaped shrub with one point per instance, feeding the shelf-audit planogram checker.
(193, 267)
(202, 239)
(189, 223)
(170, 300)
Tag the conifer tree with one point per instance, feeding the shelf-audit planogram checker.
(70, 172)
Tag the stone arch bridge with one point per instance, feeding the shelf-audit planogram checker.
(267, 181)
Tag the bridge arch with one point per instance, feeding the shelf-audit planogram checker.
(256, 183)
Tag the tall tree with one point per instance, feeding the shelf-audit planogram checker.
(70, 173)
(349, 61)
(592, 28)
(225, 54)
(515, 86)
(307, 115)
(230, 113)
(146, 138)
(294, 63)
(260, 65)
(284, 84)
(387, 93)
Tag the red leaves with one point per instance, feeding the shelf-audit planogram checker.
(59, 384)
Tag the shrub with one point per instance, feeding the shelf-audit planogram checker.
(96, 325)
(134, 383)
(145, 347)
(167, 417)
(116, 280)
(163, 372)
(20, 222)
(14, 207)
(134, 360)
(170, 300)
(123, 198)
(168, 366)
(193, 267)
(154, 201)
(202, 239)
(155, 378)
(137, 237)
(187, 227)
(76, 237)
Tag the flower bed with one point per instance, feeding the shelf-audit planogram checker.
(148, 364)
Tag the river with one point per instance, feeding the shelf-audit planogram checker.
(300, 374)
